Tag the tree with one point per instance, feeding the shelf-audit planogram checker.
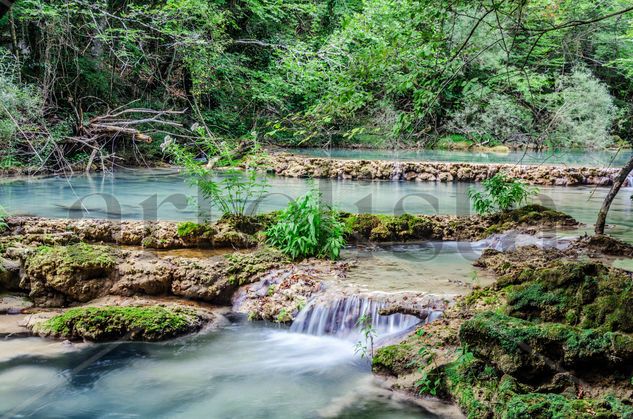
(618, 182)
(5, 6)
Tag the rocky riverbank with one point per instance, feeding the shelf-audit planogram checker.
(62, 264)
(296, 166)
(232, 233)
(551, 338)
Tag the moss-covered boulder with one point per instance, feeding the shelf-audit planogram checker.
(216, 279)
(586, 294)
(528, 216)
(57, 275)
(101, 324)
(533, 351)
(389, 228)
(539, 405)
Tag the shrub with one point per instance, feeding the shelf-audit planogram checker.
(583, 112)
(489, 118)
(231, 191)
(308, 227)
(500, 193)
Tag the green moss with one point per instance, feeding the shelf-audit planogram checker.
(525, 349)
(101, 324)
(529, 215)
(487, 296)
(76, 255)
(393, 359)
(383, 228)
(243, 267)
(534, 405)
(586, 294)
(189, 230)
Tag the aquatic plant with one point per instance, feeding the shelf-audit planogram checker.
(308, 227)
(501, 193)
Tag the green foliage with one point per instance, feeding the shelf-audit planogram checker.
(500, 193)
(583, 110)
(374, 72)
(3, 216)
(307, 228)
(111, 323)
(365, 347)
(232, 191)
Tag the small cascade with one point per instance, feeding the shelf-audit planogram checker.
(341, 318)
(629, 181)
(512, 240)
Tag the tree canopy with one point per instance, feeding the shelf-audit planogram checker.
(305, 72)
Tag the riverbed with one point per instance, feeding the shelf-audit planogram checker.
(250, 370)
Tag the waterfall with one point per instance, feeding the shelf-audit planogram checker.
(341, 318)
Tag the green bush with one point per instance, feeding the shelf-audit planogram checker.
(583, 112)
(500, 193)
(231, 191)
(307, 228)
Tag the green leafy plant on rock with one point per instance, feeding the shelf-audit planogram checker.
(308, 228)
(501, 193)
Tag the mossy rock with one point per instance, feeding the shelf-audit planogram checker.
(101, 324)
(531, 351)
(79, 272)
(388, 228)
(532, 215)
(537, 405)
(244, 268)
(586, 294)
(394, 359)
(194, 231)
(526, 217)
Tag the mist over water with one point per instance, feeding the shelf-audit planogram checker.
(245, 371)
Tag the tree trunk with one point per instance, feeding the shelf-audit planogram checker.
(5, 5)
(615, 188)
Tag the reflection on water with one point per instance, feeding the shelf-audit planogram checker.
(161, 194)
(244, 371)
(597, 158)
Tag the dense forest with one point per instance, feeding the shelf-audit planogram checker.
(81, 80)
